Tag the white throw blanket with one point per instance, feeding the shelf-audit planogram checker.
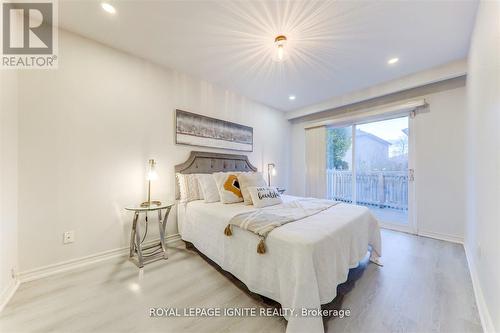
(262, 221)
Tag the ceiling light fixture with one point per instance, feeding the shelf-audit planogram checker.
(393, 61)
(108, 8)
(280, 42)
(291, 97)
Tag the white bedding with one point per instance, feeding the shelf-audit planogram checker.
(304, 260)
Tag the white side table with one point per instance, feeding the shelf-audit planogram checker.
(146, 254)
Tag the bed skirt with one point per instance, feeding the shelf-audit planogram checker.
(336, 304)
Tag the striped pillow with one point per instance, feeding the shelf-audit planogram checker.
(189, 187)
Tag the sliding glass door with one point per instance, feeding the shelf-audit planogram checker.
(381, 155)
(369, 164)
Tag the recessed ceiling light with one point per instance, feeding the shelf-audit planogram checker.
(392, 61)
(291, 97)
(108, 8)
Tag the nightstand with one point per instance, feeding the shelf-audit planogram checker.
(146, 254)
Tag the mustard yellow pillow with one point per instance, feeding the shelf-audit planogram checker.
(228, 186)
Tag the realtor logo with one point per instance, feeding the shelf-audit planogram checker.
(29, 34)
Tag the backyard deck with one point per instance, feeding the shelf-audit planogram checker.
(384, 192)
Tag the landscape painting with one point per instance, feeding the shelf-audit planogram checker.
(197, 130)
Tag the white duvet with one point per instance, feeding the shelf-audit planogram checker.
(304, 261)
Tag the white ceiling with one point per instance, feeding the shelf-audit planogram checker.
(334, 47)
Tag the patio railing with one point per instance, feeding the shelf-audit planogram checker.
(385, 189)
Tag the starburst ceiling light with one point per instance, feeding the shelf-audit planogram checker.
(280, 42)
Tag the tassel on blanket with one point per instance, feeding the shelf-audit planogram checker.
(228, 231)
(261, 248)
(375, 259)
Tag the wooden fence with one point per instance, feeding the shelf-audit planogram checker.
(385, 189)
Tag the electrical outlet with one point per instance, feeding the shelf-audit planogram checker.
(69, 237)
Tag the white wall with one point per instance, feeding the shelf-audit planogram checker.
(86, 132)
(440, 166)
(483, 167)
(8, 182)
(439, 170)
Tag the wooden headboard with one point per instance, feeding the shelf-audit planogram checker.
(205, 162)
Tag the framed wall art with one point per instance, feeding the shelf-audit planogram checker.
(197, 130)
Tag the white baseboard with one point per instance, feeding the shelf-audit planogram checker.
(482, 308)
(395, 227)
(429, 234)
(439, 236)
(7, 294)
(64, 266)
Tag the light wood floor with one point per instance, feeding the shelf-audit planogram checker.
(423, 287)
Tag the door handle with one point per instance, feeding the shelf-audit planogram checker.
(411, 175)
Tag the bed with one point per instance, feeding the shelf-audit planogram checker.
(305, 262)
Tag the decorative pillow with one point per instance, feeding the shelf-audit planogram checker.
(193, 179)
(250, 179)
(182, 186)
(208, 187)
(228, 186)
(264, 196)
(188, 187)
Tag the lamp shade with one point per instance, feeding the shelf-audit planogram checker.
(152, 174)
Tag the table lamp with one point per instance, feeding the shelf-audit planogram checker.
(152, 175)
(271, 171)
